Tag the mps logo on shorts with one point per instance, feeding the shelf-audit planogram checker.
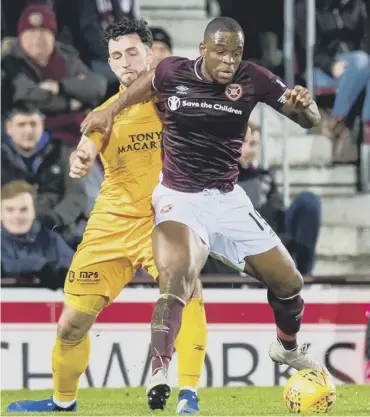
(165, 209)
(234, 91)
(173, 103)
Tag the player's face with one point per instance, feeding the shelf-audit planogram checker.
(128, 58)
(250, 148)
(18, 214)
(222, 55)
(25, 130)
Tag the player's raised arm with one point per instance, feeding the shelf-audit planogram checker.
(140, 90)
(296, 104)
(300, 107)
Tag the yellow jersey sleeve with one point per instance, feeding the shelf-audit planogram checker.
(97, 137)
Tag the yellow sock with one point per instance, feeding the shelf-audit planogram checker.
(70, 360)
(191, 343)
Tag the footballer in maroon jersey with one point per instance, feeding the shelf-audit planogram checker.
(199, 210)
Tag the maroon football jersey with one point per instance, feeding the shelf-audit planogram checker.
(205, 122)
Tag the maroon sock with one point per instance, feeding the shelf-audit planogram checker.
(166, 323)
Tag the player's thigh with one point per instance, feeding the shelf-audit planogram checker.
(106, 278)
(180, 238)
(247, 243)
(138, 245)
(179, 254)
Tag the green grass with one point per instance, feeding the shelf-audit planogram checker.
(352, 400)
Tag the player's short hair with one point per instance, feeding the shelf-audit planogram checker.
(126, 27)
(222, 24)
(14, 188)
(22, 107)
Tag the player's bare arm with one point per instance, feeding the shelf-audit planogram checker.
(300, 107)
(102, 120)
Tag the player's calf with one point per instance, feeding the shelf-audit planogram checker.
(276, 269)
(70, 353)
(70, 358)
(288, 314)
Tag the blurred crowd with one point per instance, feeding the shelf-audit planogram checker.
(55, 70)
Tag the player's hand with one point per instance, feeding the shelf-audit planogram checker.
(298, 99)
(101, 121)
(81, 162)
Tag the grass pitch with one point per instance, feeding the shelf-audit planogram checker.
(352, 400)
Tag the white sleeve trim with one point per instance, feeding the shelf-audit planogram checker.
(155, 88)
(282, 99)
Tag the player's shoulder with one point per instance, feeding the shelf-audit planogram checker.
(107, 102)
(173, 62)
(254, 69)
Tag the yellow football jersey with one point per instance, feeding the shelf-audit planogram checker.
(131, 160)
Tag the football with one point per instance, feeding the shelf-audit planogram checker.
(309, 391)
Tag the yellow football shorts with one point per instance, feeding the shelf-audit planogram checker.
(112, 249)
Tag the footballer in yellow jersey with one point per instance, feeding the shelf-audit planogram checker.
(117, 239)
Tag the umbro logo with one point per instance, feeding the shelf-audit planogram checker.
(199, 347)
(181, 89)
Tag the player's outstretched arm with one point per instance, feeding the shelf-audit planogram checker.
(300, 107)
(140, 90)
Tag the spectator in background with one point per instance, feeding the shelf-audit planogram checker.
(263, 25)
(82, 24)
(162, 45)
(50, 75)
(11, 12)
(298, 225)
(341, 59)
(29, 154)
(29, 252)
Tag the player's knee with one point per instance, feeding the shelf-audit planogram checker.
(73, 325)
(290, 285)
(178, 278)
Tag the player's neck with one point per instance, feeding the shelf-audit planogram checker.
(204, 71)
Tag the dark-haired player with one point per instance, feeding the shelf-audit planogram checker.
(199, 209)
(117, 240)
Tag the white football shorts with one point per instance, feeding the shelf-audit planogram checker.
(226, 222)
